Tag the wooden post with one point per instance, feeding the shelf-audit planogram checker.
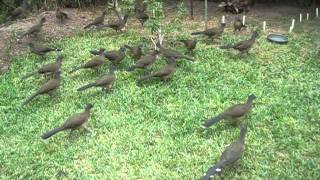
(191, 9)
(206, 13)
(317, 12)
(300, 17)
(244, 20)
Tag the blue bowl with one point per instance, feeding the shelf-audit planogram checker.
(278, 38)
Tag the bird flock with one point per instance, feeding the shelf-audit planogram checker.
(141, 61)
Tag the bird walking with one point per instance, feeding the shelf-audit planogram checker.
(136, 51)
(47, 88)
(61, 16)
(116, 56)
(164, 73)
(116, 25)
(238, 24)
(212, 32)
(51, 68)
(145, 61)
(97, 21)
(19, 11)
(95, 63)
(190, 44)
(35, 28)
(243, 46)
(234, 112)
(74, 122)
(229, 156)
(105, 82)
(172, 54)
(40, 49)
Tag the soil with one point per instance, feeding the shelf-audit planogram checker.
(78, 18)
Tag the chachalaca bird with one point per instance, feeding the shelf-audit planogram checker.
(237, 24)
(35, 28)
(61, 16)
(229, 156)
(116, 56)
(51, 68)
(140, 6)
(235, 112)
(172, 54)
(142, 17)
(189, 43)
(47, 88)
(117, 25)
(145, 61)
(74, 122)
(243, 46)
(40, 49)
(95, 63)
(105, 82)
(97, 21)
(212, 32)
(164, 73)
(18, 12)
(136, 51)
(97, 52)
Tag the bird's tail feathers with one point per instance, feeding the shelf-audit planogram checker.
(212, 171)
(196, 33)
(29, 99)
(52, 132)
(212, 121)
(86, 87)
(228, 46)
(28, 75)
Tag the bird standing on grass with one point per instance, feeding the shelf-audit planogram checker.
(117, 25)
(47, 88)
(243, 46)
(116, 56)
(145, 61)
(74, 122)
(212, 32)
(97, 21)
(238, 25)
(234, 112)
(95, 63)
(229, 156)
(40, 49)
(164, 73)
(51, 68)
(136, 51)
(35, 28)
(105, 82)
(190, 44)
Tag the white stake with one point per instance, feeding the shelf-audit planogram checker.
(223, 19)
(317, 12)
(264, 26)
(244, 20)
(293, 22)
(300, 17)
(307, 16)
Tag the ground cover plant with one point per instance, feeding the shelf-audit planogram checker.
(153, 131)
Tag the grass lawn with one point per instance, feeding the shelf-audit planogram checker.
(153, 131)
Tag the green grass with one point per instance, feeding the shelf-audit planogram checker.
(153, 132)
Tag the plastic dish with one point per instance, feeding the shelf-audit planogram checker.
(278, 38)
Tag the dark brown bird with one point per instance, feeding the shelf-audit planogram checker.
(95, 63)
(61, 16)
(135, 51)
(212, 32)
(243, 46)
(142, 17)
(229, 156)
(117, 25)
(47, 88)
(19, 11)
(189, 43)
(105, 82)
(234, 112)
(140, 6)
(116, 56)
(97, 21)
(35, 28)
(50, 68)
(74, 122)
(145, 61)
(238, 25)
(40, 49)
(172, 54)
(164, 73)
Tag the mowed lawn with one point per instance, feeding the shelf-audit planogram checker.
(153, 131)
